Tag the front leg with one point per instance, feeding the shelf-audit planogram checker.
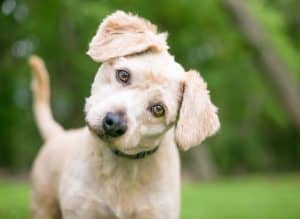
(86, 208)
(82, 204)
(68, 214)
(161, 212)
(88, 212)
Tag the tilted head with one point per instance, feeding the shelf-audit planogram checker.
(140, 91)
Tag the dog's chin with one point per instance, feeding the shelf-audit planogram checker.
(131, 149)
(136, 150)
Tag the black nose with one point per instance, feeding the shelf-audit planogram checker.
(114, 124)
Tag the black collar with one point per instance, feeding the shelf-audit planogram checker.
(137, 156)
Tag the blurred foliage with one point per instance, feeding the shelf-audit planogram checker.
(256, 133)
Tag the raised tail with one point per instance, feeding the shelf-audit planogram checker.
(48, 127)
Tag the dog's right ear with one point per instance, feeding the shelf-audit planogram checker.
(122, 34)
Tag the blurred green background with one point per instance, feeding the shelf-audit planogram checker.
(259, 111)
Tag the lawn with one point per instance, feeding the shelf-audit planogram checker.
(247, 198)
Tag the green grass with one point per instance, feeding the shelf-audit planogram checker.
(14, 201)
(250, 198)
(254, 198)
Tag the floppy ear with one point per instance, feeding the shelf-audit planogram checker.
(122, 34)
(198, 117)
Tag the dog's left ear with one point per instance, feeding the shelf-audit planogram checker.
(198, 117)
(122, 34)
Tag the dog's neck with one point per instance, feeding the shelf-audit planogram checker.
(112, 174)
(107, 165)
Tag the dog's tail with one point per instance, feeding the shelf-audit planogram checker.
(48, 127)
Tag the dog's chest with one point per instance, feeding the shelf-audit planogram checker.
(113, 192)
(128, 191)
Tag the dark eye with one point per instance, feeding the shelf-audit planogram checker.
(122, 76)
(157, 110)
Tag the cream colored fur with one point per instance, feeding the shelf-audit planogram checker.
(204, 120)
(120, 35)
(76, 175)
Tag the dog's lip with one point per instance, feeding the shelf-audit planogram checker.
(97, 131)
(134, 150)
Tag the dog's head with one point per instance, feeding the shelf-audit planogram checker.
(140, 92)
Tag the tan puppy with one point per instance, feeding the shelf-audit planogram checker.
(125, 163)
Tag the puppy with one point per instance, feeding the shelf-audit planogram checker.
(143, 105)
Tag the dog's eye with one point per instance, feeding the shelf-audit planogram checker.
(123, 76)
(157, 110)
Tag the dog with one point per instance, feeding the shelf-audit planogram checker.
(124, 164)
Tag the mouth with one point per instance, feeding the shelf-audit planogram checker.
(134, 156)
(134, 153)
(136, 150)
(100, 133)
